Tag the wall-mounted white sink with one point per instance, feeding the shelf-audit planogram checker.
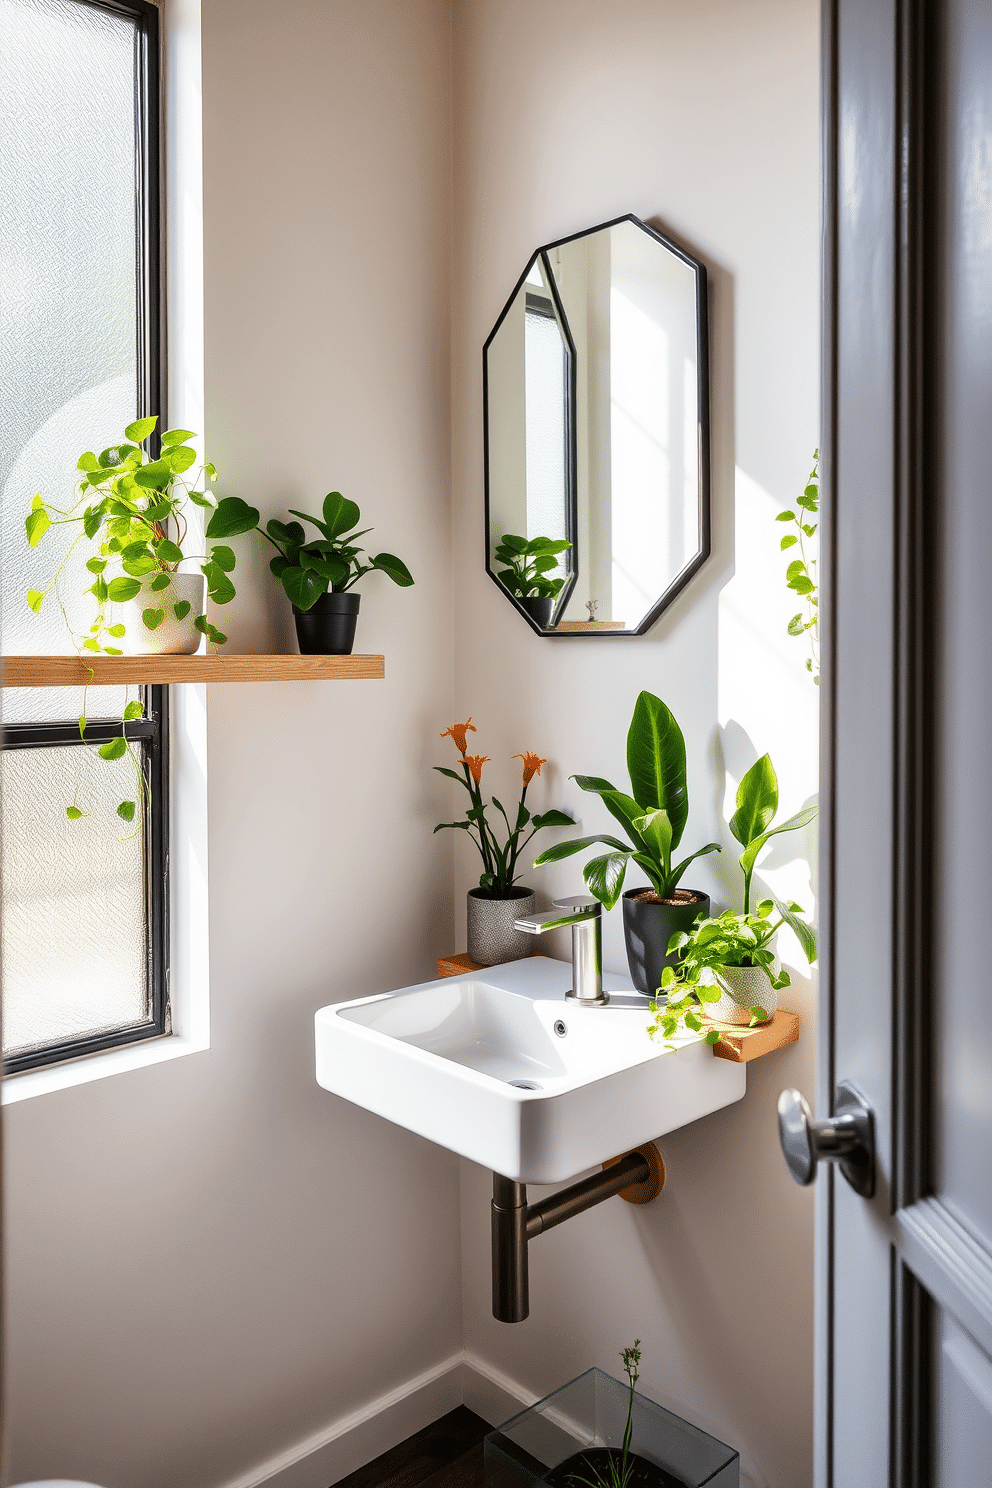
(497, 1066)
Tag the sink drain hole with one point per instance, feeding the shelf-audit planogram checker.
(524, 1084)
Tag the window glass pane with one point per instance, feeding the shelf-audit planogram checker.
(68, 299)
(73, 919)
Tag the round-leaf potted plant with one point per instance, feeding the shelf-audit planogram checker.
(653, 817)
(529, 563)
(319, 575)
(498, 900)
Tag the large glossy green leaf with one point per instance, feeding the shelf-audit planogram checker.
(757, 801)
(623, 808)
(604, 877)
(232, 517)
(656, 830)
(394, 567)
(567, 849)
(141, 428)
(303, 586)
(656, 762)
(340, 515)
(555, 819)
(801, 819)
(679, 869)
(805, 934)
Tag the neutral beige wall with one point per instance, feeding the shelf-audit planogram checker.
(209, 1259)
(700, 115)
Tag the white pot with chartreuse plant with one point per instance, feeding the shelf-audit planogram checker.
(498, 900)
(727, 968)
(131, 515)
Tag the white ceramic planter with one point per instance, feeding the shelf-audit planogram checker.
(744, 987)
(174, 636)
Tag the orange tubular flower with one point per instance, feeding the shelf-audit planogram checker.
(475, 763)
(532, 766)
(459, 733)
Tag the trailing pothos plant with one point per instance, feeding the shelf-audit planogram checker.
(653, 815)
(800, 575)
(728, 939)
(332, 562)
(131, 510)
(529, 562)
(499, 860)
(736, 938)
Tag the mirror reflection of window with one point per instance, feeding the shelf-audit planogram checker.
(545, 403)
(596, 408)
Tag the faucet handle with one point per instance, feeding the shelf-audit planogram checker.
(579, 901)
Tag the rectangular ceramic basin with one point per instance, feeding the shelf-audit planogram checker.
(498, 1066)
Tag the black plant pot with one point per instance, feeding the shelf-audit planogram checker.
(539, 609)
(593, 1466)
(648, 926)
(328, 627)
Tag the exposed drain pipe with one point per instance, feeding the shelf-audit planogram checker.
(639, 1177)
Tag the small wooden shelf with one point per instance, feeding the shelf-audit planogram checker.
(109, 671)
(739, 1045)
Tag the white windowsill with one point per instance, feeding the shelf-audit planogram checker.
(97, 1066)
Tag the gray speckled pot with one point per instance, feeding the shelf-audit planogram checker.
(744, 987)
(491, 936)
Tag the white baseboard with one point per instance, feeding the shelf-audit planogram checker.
(352, 1440)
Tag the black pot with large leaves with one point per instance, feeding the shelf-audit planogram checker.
(328, 627)
(653, 816)
(649, 922)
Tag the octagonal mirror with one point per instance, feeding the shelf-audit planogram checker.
(597, 432)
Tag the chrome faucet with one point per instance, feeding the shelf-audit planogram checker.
(585, 915)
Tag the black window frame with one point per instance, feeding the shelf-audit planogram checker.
(151, 733)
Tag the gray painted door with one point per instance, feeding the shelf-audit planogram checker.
(905, 1278)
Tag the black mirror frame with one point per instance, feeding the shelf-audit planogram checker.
(703, 425)
(571, 452)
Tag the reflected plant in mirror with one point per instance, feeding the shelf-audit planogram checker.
(530, 563)
(596, 405)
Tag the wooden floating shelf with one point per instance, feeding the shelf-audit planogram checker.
(110, 671)
(739, 1045)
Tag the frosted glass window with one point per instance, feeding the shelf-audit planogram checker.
(73, 904)
(68, 297)
(78, 328)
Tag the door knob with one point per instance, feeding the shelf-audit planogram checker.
(848, 1138)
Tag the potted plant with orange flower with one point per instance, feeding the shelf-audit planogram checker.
(499, 899)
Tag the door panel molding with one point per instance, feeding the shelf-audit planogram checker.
(954, 1267)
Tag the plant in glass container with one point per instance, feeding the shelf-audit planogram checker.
(653, 816)
(498, 900)
(529, 562)
(319, 574)
(132, 511)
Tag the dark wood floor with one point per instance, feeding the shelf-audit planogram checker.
(447, 1454)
